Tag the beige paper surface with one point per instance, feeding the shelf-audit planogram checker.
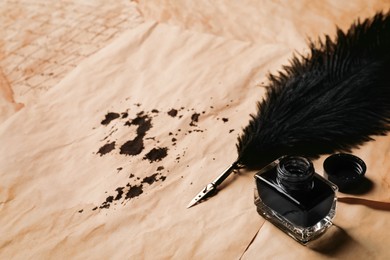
(69, 190)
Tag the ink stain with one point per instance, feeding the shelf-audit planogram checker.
(81, 211)
(95, 208)
(225, 119)
(156, 154)
(174, 139)
(172, 112)
(125, 115)
(119, 169)
(150, 179)
(160, 168)
(163, 178)
(131, 175)
(106, 148)
(105, 205)
(194, 119)
(120, 193)
(134, 191)
(155, 111)
(133, 147)
(231, 130)
(109, 117)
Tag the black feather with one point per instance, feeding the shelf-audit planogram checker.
(334, 99)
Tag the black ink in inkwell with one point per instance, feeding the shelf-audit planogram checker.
(294, 198)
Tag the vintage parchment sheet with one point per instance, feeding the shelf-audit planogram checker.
(102, 163)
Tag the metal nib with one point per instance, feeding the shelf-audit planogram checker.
(211, 187)
(203, 194)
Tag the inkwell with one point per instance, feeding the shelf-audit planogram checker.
(291, 195)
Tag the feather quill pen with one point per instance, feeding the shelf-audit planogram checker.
(334, 99)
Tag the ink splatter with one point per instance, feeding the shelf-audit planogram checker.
(107, 203)
(120, 193)
(231, 130)
(106, 148)
(109, 117)
(172, 112)
(194, 119)
(156, 154)
(125, 115)
(225, 119)
(133, 147)
(134, 191)
(137, 147)
(150, 179)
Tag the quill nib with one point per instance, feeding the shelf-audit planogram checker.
(211, 188)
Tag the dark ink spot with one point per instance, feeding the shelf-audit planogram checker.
(174, 139)
(194, 119)
(231, 130)
(106, 148)
(225, 119)
(95, 208)
(170, 133)
(120, 193)
(134, 191)
(133, 147)
(109, 117)
(172, 112)
(150, 179)
(119, 169)
(160, 168)
(131, 175)
(155, 111)
(162, 178)
(105, 205)
(156, 154)
(125, 115)
(81, 211)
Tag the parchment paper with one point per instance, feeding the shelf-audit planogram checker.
(104, 163)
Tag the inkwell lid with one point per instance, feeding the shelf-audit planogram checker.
(344, 170)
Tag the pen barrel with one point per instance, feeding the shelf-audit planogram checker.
(225, 174)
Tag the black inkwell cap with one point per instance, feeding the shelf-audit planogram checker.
(344, 170)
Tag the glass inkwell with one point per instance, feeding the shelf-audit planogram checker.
(292, 196)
